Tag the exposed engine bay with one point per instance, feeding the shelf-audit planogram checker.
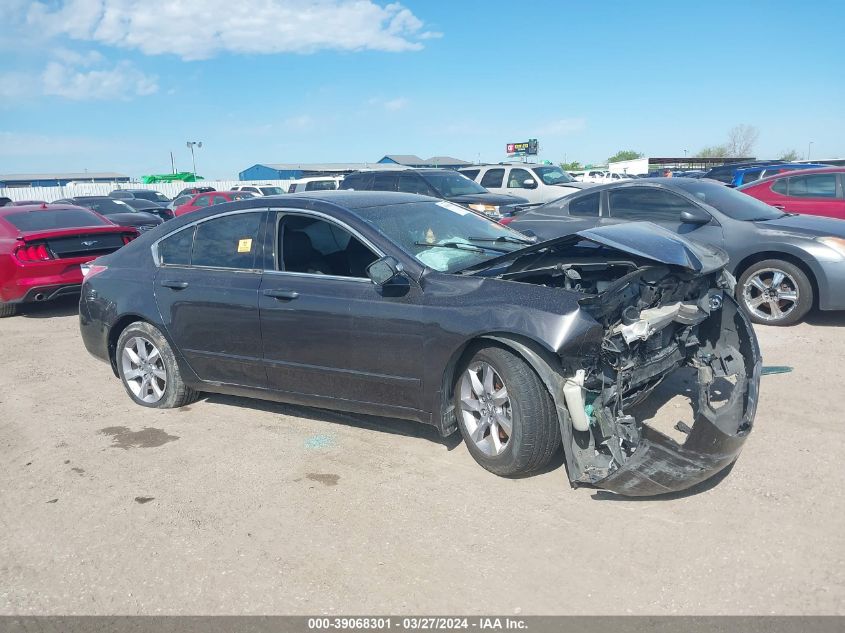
(656, 319)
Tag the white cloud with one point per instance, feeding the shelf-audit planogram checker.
(119, 82)
(562, 127)
(199, 29)
(396, 104)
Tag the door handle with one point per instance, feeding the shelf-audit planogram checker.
(282, 295)
(176, 285)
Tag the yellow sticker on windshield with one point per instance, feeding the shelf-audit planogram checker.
(244, 246)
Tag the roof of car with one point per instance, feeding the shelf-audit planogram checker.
(35, 207)
(353, 199)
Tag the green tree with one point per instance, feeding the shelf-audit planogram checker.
(790, 155)
(625, 154)
(572, 166)
(712, 151)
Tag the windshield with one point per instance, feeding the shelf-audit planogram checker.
(271, 191)
(553, 175)
(152, 196)
(107, 206)
(442, 235)
(46, 220)
(451, 183)
(731, 202)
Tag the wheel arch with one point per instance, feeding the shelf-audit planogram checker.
(114, 333)
(545, 364)
(806, 268)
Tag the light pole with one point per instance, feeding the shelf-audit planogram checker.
(190, 145)
(809, 147)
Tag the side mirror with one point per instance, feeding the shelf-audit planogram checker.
(529, 183)
(695, 216)
(531, 235)
(384, 270)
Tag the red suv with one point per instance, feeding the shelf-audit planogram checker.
(811, 191)
(209, 199)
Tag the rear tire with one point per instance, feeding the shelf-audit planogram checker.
(148, 368)
(775, 292)
(506, 415)
(8, 309)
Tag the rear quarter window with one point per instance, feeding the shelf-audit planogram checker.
(470, 173)
(586, 206)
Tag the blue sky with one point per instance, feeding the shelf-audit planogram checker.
(117, 85)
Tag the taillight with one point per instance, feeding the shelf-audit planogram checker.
(128, 238)
(89, 270)
(33, 253)
(506, 220)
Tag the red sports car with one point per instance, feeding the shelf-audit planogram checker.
(42, 247)
(812, 191)
(209, 199)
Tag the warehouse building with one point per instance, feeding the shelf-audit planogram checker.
(292, 171)
(59, 180)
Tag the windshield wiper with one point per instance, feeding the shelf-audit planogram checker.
(502, 238)
(461, 246)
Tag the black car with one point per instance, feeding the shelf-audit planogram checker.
(447, 184)
(116, 210)
(191, 191)
(153, 208)
(786, 263)
(140, 194)
(406, 306)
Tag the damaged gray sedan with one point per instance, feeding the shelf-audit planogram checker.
(409, 307)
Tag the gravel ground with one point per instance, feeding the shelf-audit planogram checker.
(233, 506)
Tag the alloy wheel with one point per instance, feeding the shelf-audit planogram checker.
(486, 408)
(770, 294)
(143, 369)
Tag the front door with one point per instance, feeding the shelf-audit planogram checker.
(206, 290)
(652, 204)
(328, 331)
(516, 179)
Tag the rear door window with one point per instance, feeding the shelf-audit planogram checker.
(813, 186)
(493, 178)
(230, 241)
(586, 206)
(175, 250)
(384, 182)
(203, 201)
(411, 183)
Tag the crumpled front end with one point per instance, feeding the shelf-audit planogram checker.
(665, 336)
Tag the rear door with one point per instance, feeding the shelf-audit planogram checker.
(814, 194)
(663, 207)
(206, 290)
(493, 180)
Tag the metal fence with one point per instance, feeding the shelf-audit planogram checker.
(50, 194)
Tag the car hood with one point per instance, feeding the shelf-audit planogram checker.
(499, 199)
(805, 226)
(641, 239)
(135, 219)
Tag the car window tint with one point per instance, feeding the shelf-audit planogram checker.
(750, 176)
(586, 206)
(813, 186)
(46, 220)
(321, 185)
(176, 249)
(318, 247)
(218, 200)
(780, 186)
(384, 182)
(361, 182)
(227, 242)
(203, 201)
(411, 183)
(492, 178)
(517, 178)
(470, 173)
(640, 203)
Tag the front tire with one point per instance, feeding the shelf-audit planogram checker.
(148, 369)
(506, 416)
(775, 292)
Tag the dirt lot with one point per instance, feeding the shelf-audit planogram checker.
(247, 507)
